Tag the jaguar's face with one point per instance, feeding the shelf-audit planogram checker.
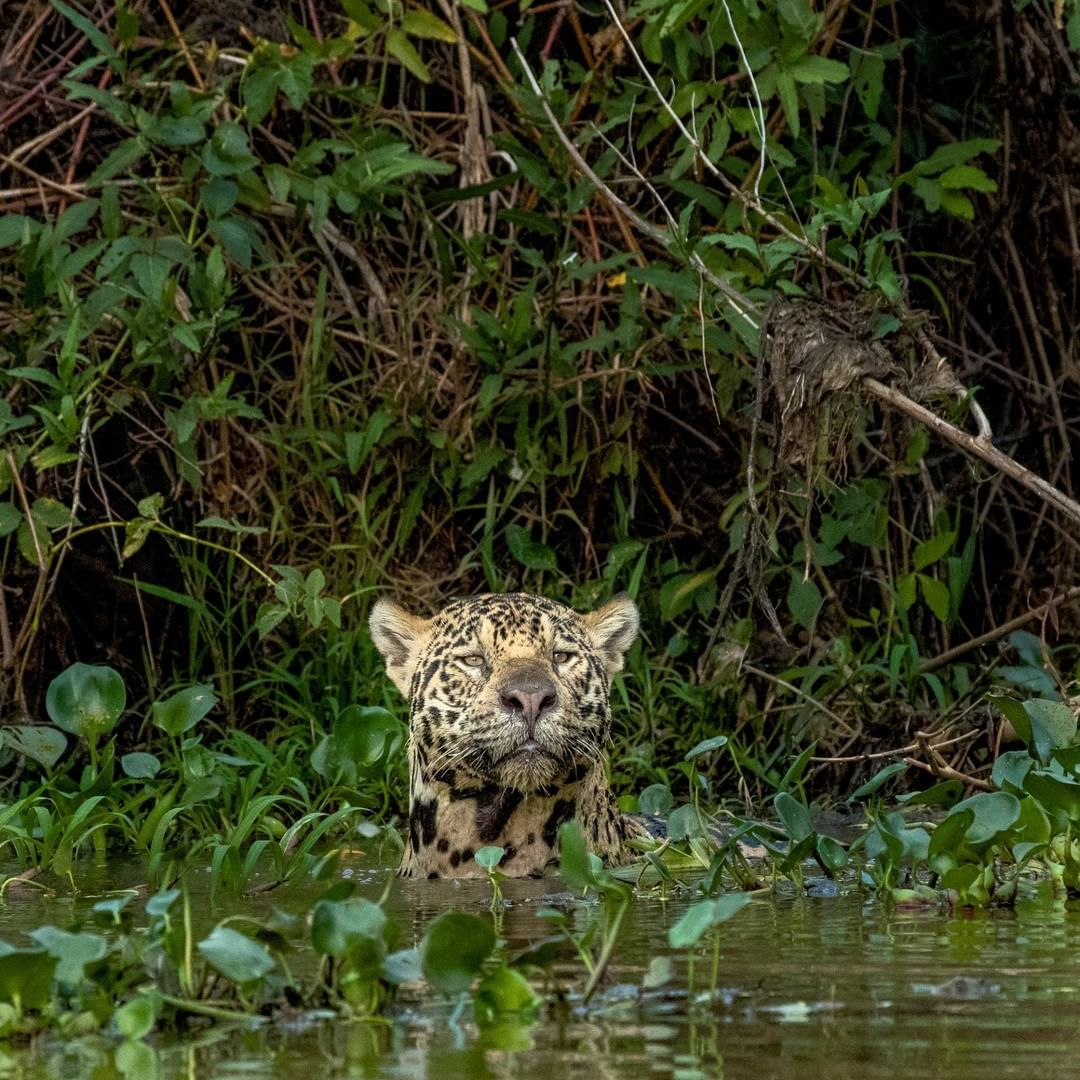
(507, 689)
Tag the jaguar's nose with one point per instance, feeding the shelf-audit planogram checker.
(530, 696)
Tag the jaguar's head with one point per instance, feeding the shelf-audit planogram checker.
(507, 689)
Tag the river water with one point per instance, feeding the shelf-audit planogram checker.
(810, 986)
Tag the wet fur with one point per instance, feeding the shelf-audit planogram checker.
(470, 783)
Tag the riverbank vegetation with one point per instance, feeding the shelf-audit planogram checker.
(759, 312)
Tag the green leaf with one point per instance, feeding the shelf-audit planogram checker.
(993, 812)
(1057, 719)
(236, 956)
(930, 551)
(967, 176)
(702, 917)
(706, 746)
(685, 823)
(140, 766)
(794, 816)
(183, 710)
(818, 69)
(26, 977)
(936, 595)
(789, 99)
(421, 23)
(454, 949)
(881, 777)
(340, 927)
(42, 744)
(677, 593)
(489, 857)
(86, 700)
(401, 48)
(72, 951)
(121, 159)
(656, 799)
(504, 992)
(136, 1019)
(804, 599)
(532, 555)
(99, 40)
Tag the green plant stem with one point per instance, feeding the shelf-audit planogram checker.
(611, 937)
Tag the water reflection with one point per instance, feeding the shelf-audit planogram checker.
(810, 987)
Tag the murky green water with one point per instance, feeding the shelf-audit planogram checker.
(813, 986)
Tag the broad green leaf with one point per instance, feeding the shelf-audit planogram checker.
(489, 857)
(235, 955)
(72, 951)
(531, 555)
(504, 991)
(656, 799)
(140, 766)
(453, 951)
(40, 743)
(706, 746)
(794, 816)
(881, 777)
(993, 812)
(183, 710)
(804, 599)
(86, 700)
(136, 1019)
(702, 917)
(26, 977)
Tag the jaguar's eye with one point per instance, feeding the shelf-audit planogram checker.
(561, 656)
(473, 660)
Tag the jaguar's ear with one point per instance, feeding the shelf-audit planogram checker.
(613, 629)
(399, 636)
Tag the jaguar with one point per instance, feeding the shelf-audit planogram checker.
(509, 716)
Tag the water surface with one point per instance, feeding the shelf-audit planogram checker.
(820, 986)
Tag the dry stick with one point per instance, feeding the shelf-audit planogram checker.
(935, 662)
(976, 447)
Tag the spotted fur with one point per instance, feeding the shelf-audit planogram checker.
(509, 717)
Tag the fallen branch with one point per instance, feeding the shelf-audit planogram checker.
(934, 662)
(976, 447)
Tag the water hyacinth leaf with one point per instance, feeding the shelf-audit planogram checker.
(235, 955)
(26, 977)
(701, 917)
(504, 991)
(946, 794)
(454, 949)
(71, 951)
(706, 746)
(656, 799)
(880, 778)
(489, 857)
(832, 853)
(794, 816)
(137, 1060)
(140, 766)
(86, 700)
(40, 743)
(403, 967)
(575, 866)
(362, 736)
(339, 927)
(136, 1019)
(685, 822)
(161, 903)
(1058, 794)
(947, 839)
(1056, 718)
(1011, 768)
(183, 710)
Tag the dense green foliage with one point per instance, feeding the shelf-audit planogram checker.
(327, 310)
